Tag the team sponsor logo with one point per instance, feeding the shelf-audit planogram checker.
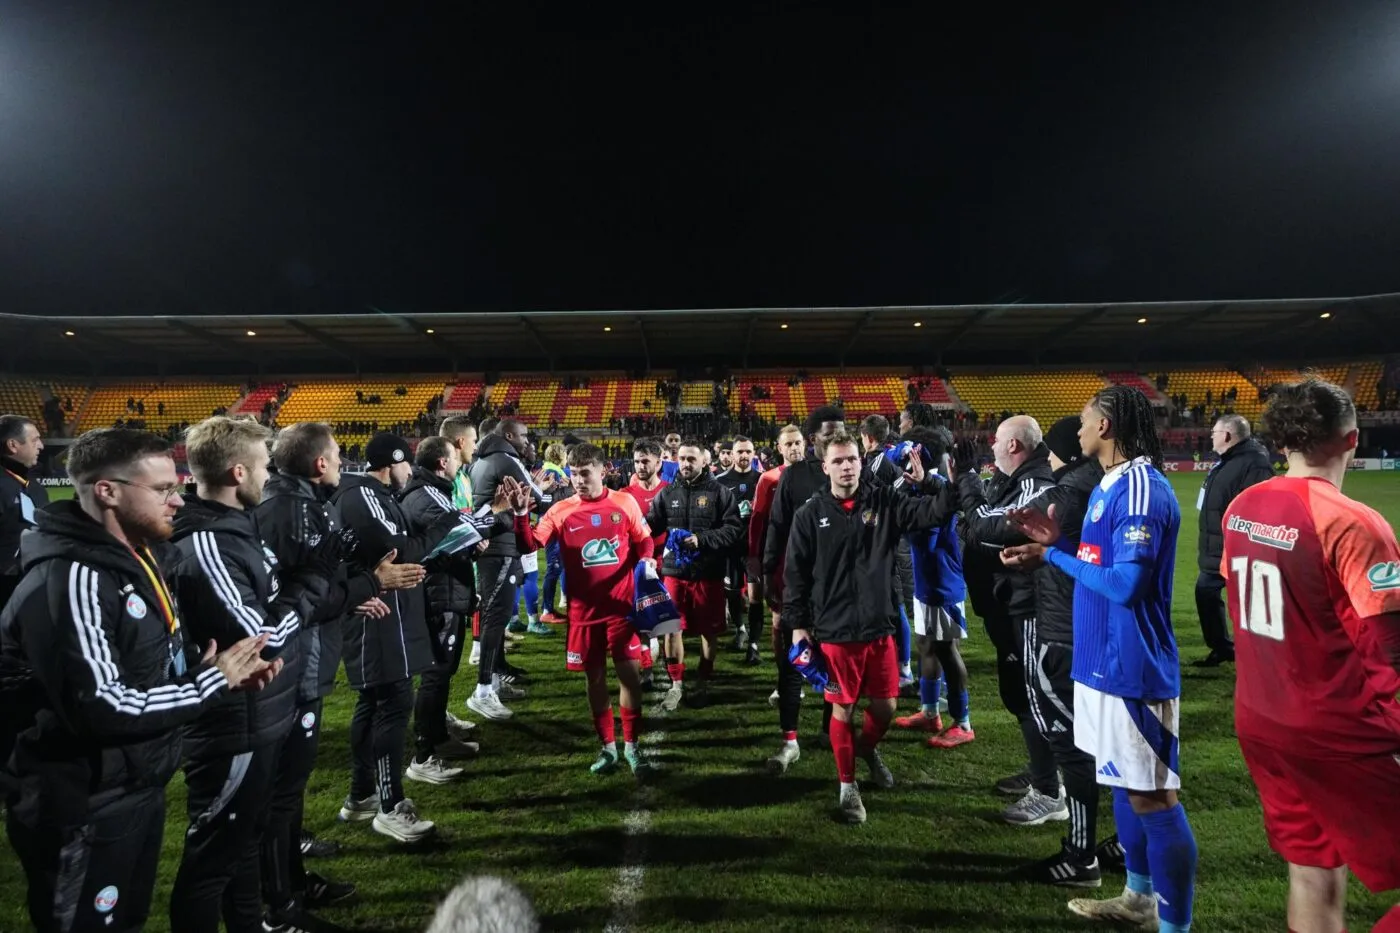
(675, 503)
(1097, 512)
(701, 501)
(1137, 534)
(573, 657)
(832, 688)
(600, 552)
(1283, 537)
(1090, 553)
(308, 720)
(870, 517)
(1384, 576)
(106, 900)
(136, 608)
(745, 508)
(1169, 466)
(596, 521)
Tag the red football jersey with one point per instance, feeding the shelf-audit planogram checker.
(1308, 572)
(600, 542)
(644, 497)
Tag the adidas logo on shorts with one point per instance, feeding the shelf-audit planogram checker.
(1110, 770)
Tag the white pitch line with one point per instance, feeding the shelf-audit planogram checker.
(626, 892)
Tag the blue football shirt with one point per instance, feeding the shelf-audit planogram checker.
(1129, 650)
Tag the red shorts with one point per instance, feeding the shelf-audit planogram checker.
(589, 645)
(861, 668)
(647, 661)
(701, 604)
(1326, 814)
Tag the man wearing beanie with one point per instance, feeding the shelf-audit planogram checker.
(1049, 641)
(383, 654)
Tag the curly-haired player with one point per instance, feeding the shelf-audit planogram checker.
(1313, 581)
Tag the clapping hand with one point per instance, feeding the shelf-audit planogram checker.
(242, 665)
(1040, 527)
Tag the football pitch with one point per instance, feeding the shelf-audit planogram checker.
(715, 843)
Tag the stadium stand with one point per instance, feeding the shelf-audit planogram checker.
(254, 401)
(1137, 381)
(160, 404)
(337, 401)
(1195, 383)
(461, 396)
(697, 394)
(1045, 396)
(1368, 377)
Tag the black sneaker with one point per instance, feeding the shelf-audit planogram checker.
(519, 674)
(1217, 657)
(322, 892)
(1016, 785)
(1111, 855)
(311, 847)
(1064, 869)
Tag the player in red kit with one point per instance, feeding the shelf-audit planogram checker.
(1313, 581)
(646, 484)
(601, 535)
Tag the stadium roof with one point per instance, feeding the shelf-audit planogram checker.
(1003, 334)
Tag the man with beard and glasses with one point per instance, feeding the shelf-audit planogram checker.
(383, 655)
(227, 583)
(96, 628)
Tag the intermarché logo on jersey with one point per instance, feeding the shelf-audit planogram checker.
(600, 552)
(1384, 576)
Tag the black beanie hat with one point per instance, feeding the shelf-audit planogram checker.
(1063, 439)
(385, 450)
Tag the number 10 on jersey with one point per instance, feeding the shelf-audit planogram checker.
(1260, 585)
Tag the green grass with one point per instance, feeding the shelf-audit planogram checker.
(732, 849)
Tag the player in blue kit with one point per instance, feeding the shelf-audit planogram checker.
(1126, 672)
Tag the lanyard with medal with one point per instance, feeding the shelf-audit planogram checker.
(166, 605)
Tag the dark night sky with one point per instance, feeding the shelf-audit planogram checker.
(294, 157)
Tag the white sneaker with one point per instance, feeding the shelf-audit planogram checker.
(432, 771)
(1140, 910)
(489, 707)
(1035, 809)
(773, 699)
(475, 658)
(672, 701)
(403, 823)
(787, 755)
(357, 811)
(514, 636)
(852, 809)
(460, 729)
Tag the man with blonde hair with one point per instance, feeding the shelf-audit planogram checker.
(227, 583)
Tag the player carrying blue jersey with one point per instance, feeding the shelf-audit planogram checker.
(1127, 676)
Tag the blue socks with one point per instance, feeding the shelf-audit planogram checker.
(1171, 850)
(930, 689)
(960, 709)
(901, 637)
(1160, 851)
